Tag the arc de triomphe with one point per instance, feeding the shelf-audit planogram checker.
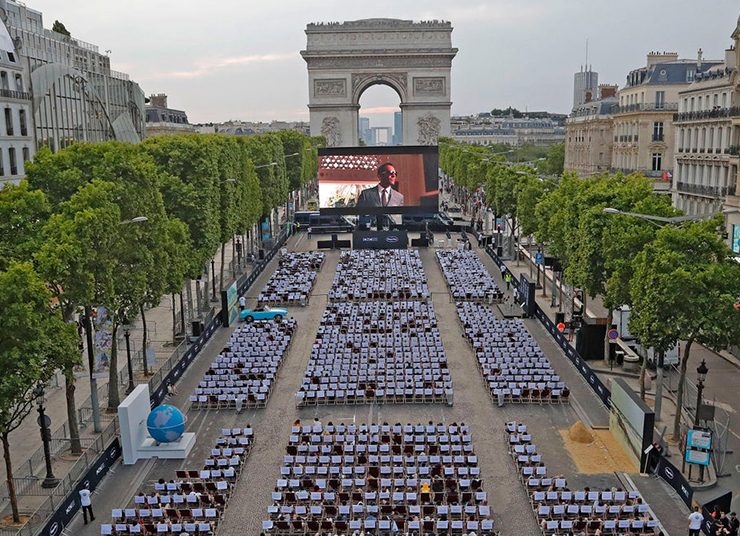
(413, 58)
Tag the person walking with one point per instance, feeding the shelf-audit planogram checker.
(507, 279)
(86, 505)
(695, 520)
(242, 303)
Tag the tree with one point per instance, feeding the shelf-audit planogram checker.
(58, 27)
(77, 263)
(31, 341)
(684, 288)
(554, 161)
(23, 212)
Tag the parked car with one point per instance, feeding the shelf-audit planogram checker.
(267, 313)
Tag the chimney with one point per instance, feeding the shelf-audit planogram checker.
(159, 100)
(699, 55)
(607, 90)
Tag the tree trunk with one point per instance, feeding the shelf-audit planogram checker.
(69, 391)
(9, 479)
(174, 318)
(679, 392)
(223, 262)
(114, 397)
(189, 290)
(182, 313)
(144, 340)
(643, 371)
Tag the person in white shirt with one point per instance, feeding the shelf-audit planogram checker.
(695, 520)
(86, 505)
(242, 303)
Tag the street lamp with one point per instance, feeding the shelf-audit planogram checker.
(653, 219)
(44, 422)
(266, 165)
(213, 279)
(127, 335)
(137, 219)
(701, 371)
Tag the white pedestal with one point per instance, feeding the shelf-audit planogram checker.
(176, 450)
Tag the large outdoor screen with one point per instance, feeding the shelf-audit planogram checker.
(378, 180)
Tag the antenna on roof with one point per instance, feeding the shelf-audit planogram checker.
(587, 55)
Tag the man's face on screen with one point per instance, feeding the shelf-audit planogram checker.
(387, 176)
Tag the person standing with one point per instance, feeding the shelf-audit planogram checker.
(507, 278)
(695, 520)
(86, 505)
(242, 303)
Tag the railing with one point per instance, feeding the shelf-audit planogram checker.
(67, 485)
(657, 137)
(701, 189)
(647, 107)
(13, 94)
(707, 114)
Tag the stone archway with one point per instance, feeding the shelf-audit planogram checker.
(413, 58)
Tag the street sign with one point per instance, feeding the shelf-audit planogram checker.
(561, 327)
(539, 258)
(613, 334)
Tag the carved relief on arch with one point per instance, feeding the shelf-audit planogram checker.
(361, 81)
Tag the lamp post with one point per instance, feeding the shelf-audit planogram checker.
(91, 369)
(213, 279)
(127, 336)
(701, 372)
(50, 481)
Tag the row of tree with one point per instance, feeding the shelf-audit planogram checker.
(678, 280)
(122, 225)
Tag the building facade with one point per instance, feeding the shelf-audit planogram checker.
(76, 95)
(485, 129)
(17, 145)
(161, 120)
(588, 134)
(643, 123)
(707, 139)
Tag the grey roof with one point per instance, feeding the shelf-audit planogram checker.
(674, 72)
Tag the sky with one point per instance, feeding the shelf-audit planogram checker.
(239, 59)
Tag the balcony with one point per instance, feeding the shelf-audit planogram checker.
(647, 107)
(701, 189)
(707, 114)
(733, 150)
(12, 94)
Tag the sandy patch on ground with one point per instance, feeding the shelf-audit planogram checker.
(595, 451)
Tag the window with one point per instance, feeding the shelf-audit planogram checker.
(659, 100)
(9, 121)
(11, 57)
(658, 131)
(692, 105)
(13, 162)
(19, 82)
(724, 100)
(22, 119)
(690, 75)
(657, 161)
(4, 79)
(26, 155)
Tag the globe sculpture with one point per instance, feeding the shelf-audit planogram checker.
(166, 423)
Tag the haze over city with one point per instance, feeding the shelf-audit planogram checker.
(240, 60)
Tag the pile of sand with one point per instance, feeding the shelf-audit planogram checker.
(580, 434)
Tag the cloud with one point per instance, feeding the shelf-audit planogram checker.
(202, 67)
